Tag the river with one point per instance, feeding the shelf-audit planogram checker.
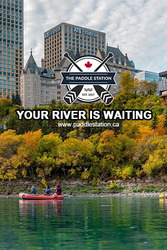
(84, 223)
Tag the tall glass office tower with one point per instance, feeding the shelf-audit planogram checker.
(11, 46)
(65, 37)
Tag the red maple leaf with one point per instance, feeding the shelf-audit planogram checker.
(88, 65)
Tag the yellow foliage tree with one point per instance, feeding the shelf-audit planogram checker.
(32, 139)
(145, 133)
(76, 153)
(9, 143)
(49, 145)
(157, 162)
(115, 151)
(46, 165)
(127, 83)
(131, 129)
(160, 130)
(16, 166)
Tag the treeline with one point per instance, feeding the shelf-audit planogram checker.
(52, 126)
(127, 99)
(31, 149)
(121, 102)
(138, 150)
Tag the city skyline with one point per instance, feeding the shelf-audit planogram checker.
(138, 27)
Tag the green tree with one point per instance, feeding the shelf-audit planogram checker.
(17, 99)
(154, 122)
(13, 99)
(53, 104)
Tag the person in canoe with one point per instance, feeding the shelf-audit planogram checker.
(33, 190)
(58, 189)
(47, 190)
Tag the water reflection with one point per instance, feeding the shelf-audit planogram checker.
(44, 207)
(162, 202)
(84, 223)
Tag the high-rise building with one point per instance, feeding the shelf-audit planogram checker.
(67, 37)
(11, 46)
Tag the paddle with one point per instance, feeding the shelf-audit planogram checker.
(161, 195)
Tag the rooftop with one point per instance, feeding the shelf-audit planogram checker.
(118, 55)
(33, 68)
(163, 74)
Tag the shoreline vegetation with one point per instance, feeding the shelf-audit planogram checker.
(134, 187)
(127, 159)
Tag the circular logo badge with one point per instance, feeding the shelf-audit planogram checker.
(88, 79)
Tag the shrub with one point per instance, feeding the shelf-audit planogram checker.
(115, 187)
(127, 172)
(85, 175)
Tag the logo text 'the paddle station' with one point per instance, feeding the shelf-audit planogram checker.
(88, 79)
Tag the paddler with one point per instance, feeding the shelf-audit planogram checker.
(58, 189)
(47, 190)
(33, 190)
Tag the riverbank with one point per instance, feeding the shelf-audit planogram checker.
(97, 195)
(138, 187)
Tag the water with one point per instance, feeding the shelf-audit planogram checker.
(84, 223)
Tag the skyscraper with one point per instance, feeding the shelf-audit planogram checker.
(70, 37)
(11, 46)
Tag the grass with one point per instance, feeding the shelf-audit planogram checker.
(88, 189)
(149, 189)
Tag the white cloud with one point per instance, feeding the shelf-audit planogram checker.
(138, 26)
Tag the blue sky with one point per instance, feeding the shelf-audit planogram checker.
(138, 26)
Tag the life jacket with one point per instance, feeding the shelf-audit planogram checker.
(33, 191)
(58, 189)
(48, 191)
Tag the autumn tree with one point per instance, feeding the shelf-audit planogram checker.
(47, 151)
(116, 152)
(5, 105)
(150, 155)
(75, 154)
(32, 139)
(156, 163)
(14, 156)
(160, 130)
(9, 143)
(127, 83)
(145, 133)
(131, 129)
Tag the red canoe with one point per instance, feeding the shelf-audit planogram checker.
(40, 197)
